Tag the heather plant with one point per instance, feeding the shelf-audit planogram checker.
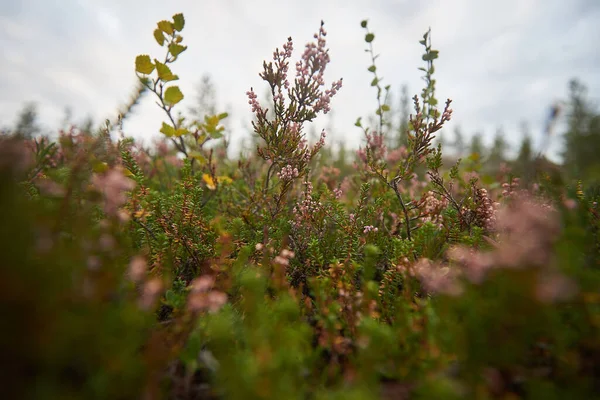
(166, 271)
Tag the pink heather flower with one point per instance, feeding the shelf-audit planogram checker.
(432, 208)
(437, 279)
(252, 100)
(369, 228)
(287, 253)
(206, 299)
(203, 297)
(113, 184)
(288, 173)
(202, 284)
(137, 268)
(475, 264)
(150, 292)
(570, 204)
(281, 261)
(553, 287)
(306, 209)
(337, 192)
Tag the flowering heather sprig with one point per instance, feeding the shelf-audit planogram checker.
(509, 188)
(374, 154)
(285, 143)
(305, 209)
(431, 208)
(485, 212)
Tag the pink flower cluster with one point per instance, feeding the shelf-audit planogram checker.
(432, 208)
(284, 257)
(369, 228)
(337, 193)
(508, 188)
(486, 209)
(306, 209)
(374, 150)
(288, 173)
(437, 278)
(527, 231)
(113, 184)
(203, 297)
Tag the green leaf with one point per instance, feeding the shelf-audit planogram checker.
(369, 37)
(158, 35)
(430, 56)
(164, 72)
(166, 27)
(358, 123)
(173, 95)
(385, 107)
(374, 82)
(372, 68)
(199, 157)
(167, 130)
(178, 22)
(216, 134)
(176, 49)
(181, 132)
(363, 23)
(143, 64)
(223, 115)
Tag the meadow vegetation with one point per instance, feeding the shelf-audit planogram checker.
(294, 271)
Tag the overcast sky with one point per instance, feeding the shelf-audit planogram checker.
(501, 62)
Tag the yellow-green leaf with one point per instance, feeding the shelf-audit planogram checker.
(178, 22)
(176, 49)
(166, 27)
(385, 107)
(164, 72)
(167, 130)
(210, 182)
(216, 134)
(143, 64)
(223, 115)
(173, 95)
(99, 166)
(181, 132)
(198, 157)
(158, 35)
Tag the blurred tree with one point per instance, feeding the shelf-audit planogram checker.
(87, 125)
(205, 100)
(459, 142)
(524, 161)
(582, 138)
(404, 115)
(498, 151)
(477, 146)
(27, 122)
